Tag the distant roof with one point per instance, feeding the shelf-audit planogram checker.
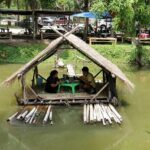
(38, 12)
(105, 14)
(85, 15)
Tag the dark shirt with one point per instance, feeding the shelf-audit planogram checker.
(49, 82)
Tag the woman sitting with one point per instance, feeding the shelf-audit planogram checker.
(52, 82)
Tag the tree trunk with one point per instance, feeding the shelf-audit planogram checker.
(34, 18)
(138, 59)
(18, 17)
(86, 4)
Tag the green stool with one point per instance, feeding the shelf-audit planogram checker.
(71, 85)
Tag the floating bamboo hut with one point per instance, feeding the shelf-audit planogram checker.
(106, 93)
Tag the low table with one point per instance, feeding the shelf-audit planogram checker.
(71, 85)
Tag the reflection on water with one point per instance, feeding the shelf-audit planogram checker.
(68, 131)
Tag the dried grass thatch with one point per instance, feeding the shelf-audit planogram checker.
(82, 47)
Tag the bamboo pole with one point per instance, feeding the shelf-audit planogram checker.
(94, 113)
(24, 114)
(98, 113)
(106, 115)
(84, 114)
(19, 116)
(91, 113)
(103, 118)
(28, 116)
(47, 114)
(108, 112)
(88, 113)
(96, 95)
(113, 116)
(33, 115)
(115, 112)
(98, 73)
(116, 119)
(50, 116)
(11, 117)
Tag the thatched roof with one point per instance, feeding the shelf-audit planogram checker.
(82, 47)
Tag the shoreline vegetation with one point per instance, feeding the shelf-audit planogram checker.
(22, 52)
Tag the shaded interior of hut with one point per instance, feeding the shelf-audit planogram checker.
(58, 78)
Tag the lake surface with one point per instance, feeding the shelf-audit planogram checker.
(69, 132)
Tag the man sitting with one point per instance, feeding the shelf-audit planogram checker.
(87, 81)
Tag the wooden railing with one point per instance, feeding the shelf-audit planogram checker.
(5, 34)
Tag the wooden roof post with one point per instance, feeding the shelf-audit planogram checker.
(35, 75)
(23, 86)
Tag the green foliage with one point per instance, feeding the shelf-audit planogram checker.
(48, 3)
(143, 53)
(64, 54)
(66, 4)
(125, 13)
(33, 4)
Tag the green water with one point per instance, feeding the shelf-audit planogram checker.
(68, 131)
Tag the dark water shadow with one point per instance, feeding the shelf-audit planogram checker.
(148, 132)
(124, 103)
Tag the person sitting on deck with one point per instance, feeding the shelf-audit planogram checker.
(87, 81)
(52, 82)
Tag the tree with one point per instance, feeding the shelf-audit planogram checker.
(6, 2)
(46, 4)
(125, 12)
(126, 15)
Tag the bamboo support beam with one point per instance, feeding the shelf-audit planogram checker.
(98, 73)
(96, 95)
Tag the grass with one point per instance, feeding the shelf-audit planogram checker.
(19, 53)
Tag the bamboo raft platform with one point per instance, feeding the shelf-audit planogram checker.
(105, 114)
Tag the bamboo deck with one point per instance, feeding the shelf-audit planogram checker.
(68, 96)
(65, 98)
